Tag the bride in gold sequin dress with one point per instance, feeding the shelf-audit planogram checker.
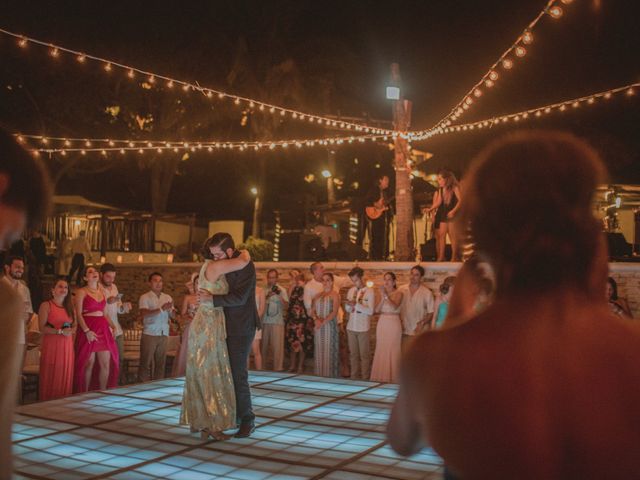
(208, 402)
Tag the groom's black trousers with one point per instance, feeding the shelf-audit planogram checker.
(239, 348)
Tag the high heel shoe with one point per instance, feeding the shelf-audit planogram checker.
(217, 436)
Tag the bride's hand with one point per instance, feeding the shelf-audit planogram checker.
(204, 296)
(245, 256)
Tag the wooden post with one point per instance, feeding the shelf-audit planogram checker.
(404, 248)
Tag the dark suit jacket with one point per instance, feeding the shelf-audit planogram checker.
(240, 311)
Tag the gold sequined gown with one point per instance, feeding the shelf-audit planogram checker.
(209, 400)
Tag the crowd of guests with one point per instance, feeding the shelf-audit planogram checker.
(310, 319)
(82, 339)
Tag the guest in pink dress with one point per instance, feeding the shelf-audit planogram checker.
(187, 312)
(386, 360)
(96, 350)
(56, 352)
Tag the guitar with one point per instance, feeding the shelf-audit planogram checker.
(376, 210)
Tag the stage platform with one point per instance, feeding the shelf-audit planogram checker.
(307, 427)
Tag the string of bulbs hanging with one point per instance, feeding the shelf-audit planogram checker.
(151, 79)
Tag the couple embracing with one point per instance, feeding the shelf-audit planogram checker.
(216, 391)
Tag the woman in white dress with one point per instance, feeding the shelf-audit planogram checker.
(386, 360)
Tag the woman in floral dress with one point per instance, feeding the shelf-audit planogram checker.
(299, 328)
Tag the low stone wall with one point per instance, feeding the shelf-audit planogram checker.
(132, 278)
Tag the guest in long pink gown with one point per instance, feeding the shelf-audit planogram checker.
(96, 365)
(56, 352)
(187, 312)
(386, 360)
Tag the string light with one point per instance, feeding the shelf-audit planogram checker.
(538, 112)
(555, 11)
(132, 72)
(489, 79)
(84, 146)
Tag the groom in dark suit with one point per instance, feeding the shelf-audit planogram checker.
(241, 317)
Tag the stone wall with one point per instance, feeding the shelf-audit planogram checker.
(132, 278)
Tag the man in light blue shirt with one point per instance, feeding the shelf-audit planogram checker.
(156, 308)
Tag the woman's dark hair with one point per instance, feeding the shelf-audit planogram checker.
(614, 288)
(86, 269)
(66, 303)
(528, 210)
(29, 187)
(328, 274)
(450, 179)
(393, 277)
(446, 285)
(221, 239)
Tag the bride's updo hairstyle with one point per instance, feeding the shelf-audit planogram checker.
(528, 207)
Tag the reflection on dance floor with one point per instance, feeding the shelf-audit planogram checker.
(307, 427)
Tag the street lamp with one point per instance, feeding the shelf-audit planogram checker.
(255, 227)
(331, 196)
(393, 93)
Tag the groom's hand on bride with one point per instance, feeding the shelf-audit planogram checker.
(204, 296)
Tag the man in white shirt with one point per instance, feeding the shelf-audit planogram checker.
(156, 308)
(114, 304)
(25, 196)
(360, 305)
(314, 286)
(13, 273)
(273, 321)
(417, 306)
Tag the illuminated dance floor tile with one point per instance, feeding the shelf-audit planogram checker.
(25, 427)
(307, 427)
(349, 413)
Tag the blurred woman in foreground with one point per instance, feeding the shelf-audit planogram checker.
(544, 382)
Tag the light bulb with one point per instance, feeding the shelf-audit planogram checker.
(489, 83)
(131, 74)
(507, 63)
(527, 37)
(22, 42)
(477, 92)
(107, 67)
(521, 51)
(555, 12)
(81, 58)
(493, 75)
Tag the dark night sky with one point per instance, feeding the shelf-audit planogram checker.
(443, 48)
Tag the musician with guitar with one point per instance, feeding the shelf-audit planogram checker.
(377, 211)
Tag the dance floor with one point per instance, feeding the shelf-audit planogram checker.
(307, 427)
